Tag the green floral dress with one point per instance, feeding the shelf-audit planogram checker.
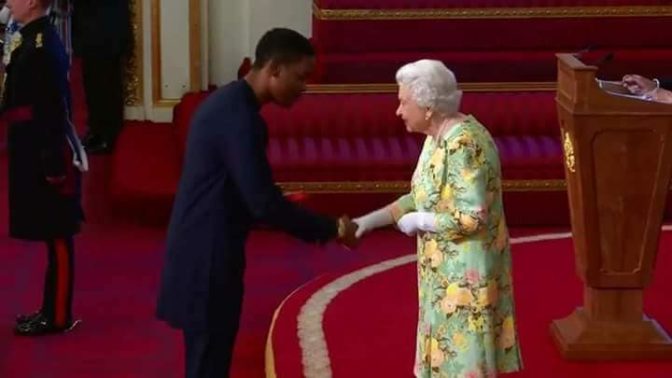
(467, 325)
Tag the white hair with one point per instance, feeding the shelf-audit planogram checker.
(432, 85)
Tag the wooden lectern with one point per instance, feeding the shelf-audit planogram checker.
(618, 163)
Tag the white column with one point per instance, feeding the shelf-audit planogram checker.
(228, 36)
(237, 25)
(174, 48)
(267, 14)
(230, 30)
(205, 43)
(170, 70)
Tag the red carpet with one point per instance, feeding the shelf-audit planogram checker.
(118, 260)
(369, 327)
(116, 278)
(117, 270)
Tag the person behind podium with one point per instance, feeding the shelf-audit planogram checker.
(652, 89)
(467, 321)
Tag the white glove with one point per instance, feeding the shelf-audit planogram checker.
(412, 223)
(371, 221)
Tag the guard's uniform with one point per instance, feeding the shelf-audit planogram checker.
(45, 161)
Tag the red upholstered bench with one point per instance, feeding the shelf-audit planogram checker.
(334, 145)
(145, 170)
(361, 41)
(489, 66)
(357, 137)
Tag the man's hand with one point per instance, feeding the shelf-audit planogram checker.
(346, 232)
(639, 85)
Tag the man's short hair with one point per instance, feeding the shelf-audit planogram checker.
(282, 46)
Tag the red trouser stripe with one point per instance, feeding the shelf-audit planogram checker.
(62, 281)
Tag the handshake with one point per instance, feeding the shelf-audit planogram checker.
(347, 232)
(350, 231)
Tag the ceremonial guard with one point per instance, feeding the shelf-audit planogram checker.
(45, 159)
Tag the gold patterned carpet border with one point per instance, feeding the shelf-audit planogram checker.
(327, 187)
(310, 331)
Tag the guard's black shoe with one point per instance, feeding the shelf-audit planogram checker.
(24, 318)
(90, 138)
(99, 148)
(40, 325)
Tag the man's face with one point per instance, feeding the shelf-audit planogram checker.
(22, 9)
(288, 81)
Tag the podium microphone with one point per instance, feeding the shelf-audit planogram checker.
(606, 58)
(586, 49)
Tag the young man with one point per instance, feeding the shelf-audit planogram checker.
(45, 159)
(227, 186)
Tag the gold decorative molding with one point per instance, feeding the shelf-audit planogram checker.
(542, 86)
(346, 186)
(404, 186)
(156, 51)
(534, 185)
(133, 75)
(166, 103)
(491, 13)
(195, 64)
(568, 149)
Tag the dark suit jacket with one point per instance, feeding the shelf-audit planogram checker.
(101, 27)
(226, 186)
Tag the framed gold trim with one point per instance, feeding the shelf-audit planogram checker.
(491, 13)
(133, 72)
(327, 187)
(194, 51)
(269, 354)
(156, 51)
(195, 67)
(166, 103)
(541, 86)
(568, 149)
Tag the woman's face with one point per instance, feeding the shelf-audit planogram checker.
(414, 116)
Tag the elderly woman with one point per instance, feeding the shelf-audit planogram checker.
(466, 319)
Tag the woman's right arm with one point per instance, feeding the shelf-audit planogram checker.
(384, 216)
